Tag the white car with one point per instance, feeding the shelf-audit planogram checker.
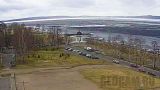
(74, 50)
(116, 61)
(87, 48)
(70, 49)
(88, 55)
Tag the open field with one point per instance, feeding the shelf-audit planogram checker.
(87, 77)
(114, 77)
(58, 79)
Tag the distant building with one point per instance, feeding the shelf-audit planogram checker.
(79, 37)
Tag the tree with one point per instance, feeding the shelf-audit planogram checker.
(138, 43)
(118, 39)
(130, 44)
(28, 39)
(154, 45)
(3, 28)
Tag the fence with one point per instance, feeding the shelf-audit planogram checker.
(7, 60)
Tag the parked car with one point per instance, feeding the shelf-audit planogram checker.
(98, 52)
(77, 51)
(89, 49)
(70, 49)
(95, 57)
(150, 73)
(134, 65)
(74, 50)
(88, 55)
(81, 53)
(66, 48)
(116, 61)
(141, 69)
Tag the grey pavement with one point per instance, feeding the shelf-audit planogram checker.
(5, 83)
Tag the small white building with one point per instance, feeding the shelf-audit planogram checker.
(79, 37)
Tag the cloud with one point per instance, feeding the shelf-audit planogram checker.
(78, 3)
(10, 9)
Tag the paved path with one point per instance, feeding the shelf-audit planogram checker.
(5, 84)
(61, 79)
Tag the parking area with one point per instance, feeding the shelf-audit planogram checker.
(85, 52)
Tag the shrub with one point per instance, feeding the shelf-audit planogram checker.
(38, 56)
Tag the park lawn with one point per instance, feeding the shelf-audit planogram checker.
(128, 78)
(53, 59)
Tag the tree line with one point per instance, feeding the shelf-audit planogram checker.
(25, 39)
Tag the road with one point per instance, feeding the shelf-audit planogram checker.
(121, 62)
(5, 83)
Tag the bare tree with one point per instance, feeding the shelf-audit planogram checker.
(117, 40)
(138, 43)
(3, 28)
(154, 45)
(130, 44)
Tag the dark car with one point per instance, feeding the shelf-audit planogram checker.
(66, 48)
(150, 73)
(94, 57)
(134, 65)
(140, 69)
(81, 53)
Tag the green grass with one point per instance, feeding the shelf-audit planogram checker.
(52, 58)
(100, 77)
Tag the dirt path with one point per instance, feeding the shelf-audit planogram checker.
(60, 79)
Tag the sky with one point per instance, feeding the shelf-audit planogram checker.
(13, 9)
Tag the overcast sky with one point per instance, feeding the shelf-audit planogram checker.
(10, 9)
